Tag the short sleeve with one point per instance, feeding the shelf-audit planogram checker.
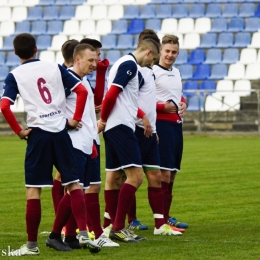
(10, 89)
(126, 71)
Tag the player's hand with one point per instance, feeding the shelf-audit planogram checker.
(148, 130)
(101, 124)
(97, 109)
(170, 108)
(74, 124)
(24, 133)
(182, 109)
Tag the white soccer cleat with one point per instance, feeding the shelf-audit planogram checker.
(104, 241)
(165, 230)
(24, 250)
(107, 230)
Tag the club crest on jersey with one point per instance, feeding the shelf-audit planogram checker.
(129, 72)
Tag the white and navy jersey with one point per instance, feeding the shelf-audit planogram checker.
(147, 96)
(168, 84)
(42, 86)
(82, 139)
(124, 74)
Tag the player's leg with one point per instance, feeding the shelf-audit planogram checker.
(57, 191)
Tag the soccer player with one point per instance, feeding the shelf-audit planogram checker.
(171, 107)
(117, 119)
(92, 193)
(42, 86)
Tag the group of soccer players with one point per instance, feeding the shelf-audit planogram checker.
(141, 120)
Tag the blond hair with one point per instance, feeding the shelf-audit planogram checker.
(170, 38)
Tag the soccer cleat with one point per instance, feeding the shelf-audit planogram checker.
(91, 235)
(165, 230)
(24, 250)
(136, 237)
(107, 230)
(136, 224)
(86, 242)
(73, 244)
(104, 241)
(122, 235)
(57, 244)
(174, 222)
(182, 230)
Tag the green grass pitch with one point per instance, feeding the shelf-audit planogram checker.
(217, 193)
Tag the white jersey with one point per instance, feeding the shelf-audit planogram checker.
(168, 84)
(82, 139)
(42, 86)
(124, 74)
(147, 96)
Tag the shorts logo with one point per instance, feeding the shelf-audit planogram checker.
(129, 72)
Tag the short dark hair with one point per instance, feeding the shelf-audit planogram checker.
(80, 48)
(95, 43)
(67, 50)
(149, 44)
(152, 37)
(24, 45)
(144, 33)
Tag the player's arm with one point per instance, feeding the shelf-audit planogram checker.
(126, 71)
(100, 82)
(166, 107)
(148, 130)
(183, 105)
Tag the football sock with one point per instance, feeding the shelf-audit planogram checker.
(111, 198)
(71, 226)
(33, 218)
(107, 220)
(125, 199)
(132, 211)
(165, 190)
(57, 193)
(155, 197)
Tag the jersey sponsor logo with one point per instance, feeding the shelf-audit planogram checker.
(171, 75)
(51, 114)
(129, 72)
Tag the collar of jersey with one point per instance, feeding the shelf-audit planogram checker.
(76, 75)
(27, 61)
(163, 67)
(131, 54)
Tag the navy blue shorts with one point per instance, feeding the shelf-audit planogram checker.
(170, 144)
(149, 149)
(83, 164)
(45, 150)
(94, 168)
(122, 150)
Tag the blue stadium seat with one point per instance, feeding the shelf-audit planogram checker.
(225, 40)
(252, 24)
(147, 12)
(136, 39)
(196, 103)
(46, 2)
(220, 1)
(213, 56)
(230, 10)
(247, 10)
(54, 27)
(186, 71)
(154, 24)
(136, 26)
(62, 2)
(125, 52)
(202, 71)
(206, 1)
(230, 56)
(191, 86)
(8, 43)
(2, 58)
(77, 2)
(51, 13)
(67, 12)
(197, 10)
(12, 59)
(131, 12)
(3, 72)
(22, 27)
(196, 57)
(158, 1)
(208, 40)
(213, 10)
(218, 71)
(164, 11)
(190, 1)
(180, 11)
(236, 25)
(113, 56)
(237, 1)
(34, 13)
(182, 57)
(125, 41)
(108, 42)
(209, 86)
(38, 27)
(242, 39)
(119, 26)
(173, 1)
(257, 12)
(219, 25)
(43, 42)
